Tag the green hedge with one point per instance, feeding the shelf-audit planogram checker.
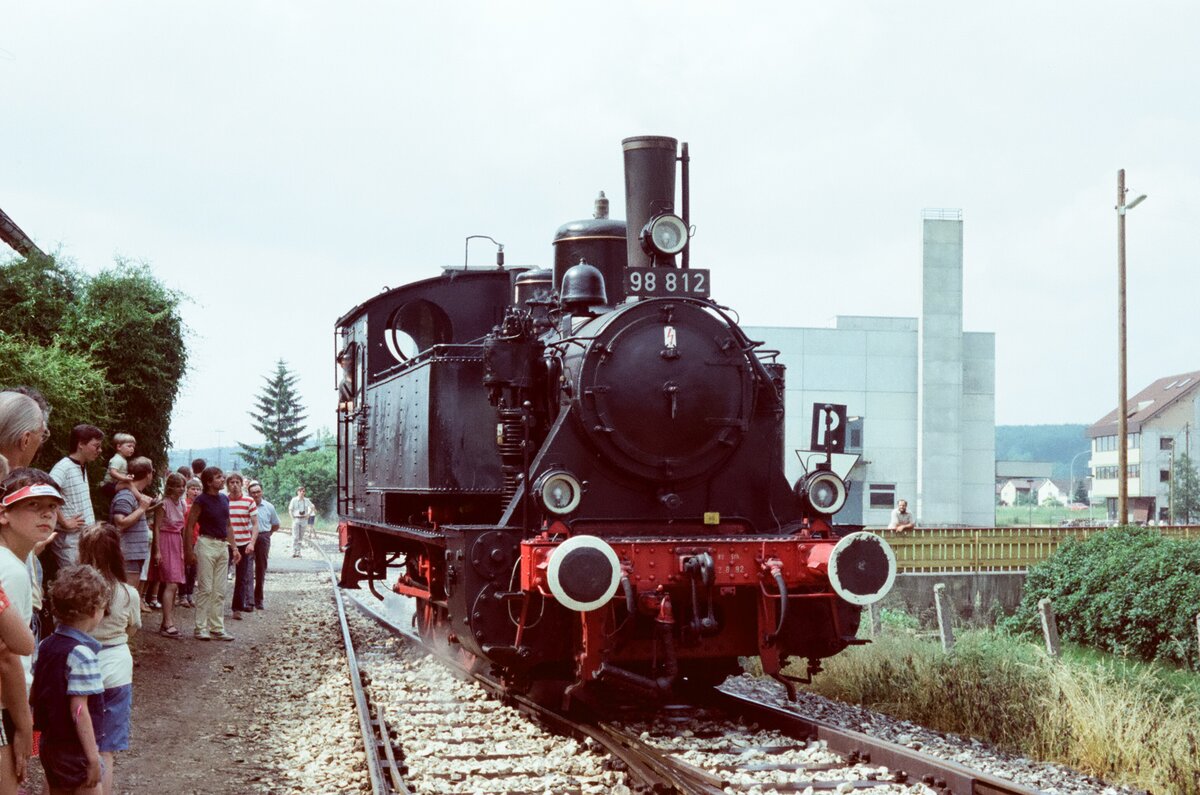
(1126, 590)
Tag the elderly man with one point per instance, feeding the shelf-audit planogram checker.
(268, 523)
(23, 428)
(71, 475)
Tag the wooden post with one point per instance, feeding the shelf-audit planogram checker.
(1049, 627)
(942, 602)
(876, 619)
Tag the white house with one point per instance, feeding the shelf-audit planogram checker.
(1161, 425)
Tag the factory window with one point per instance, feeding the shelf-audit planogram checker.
(883, 495)
(1164, 475)
(1165, 443)
(854, 435)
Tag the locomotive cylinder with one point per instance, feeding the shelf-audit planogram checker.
(649, 192)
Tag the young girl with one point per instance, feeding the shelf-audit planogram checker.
(189, 496)
(168, 549)
(100, 546)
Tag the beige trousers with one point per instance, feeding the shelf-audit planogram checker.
(212, 561)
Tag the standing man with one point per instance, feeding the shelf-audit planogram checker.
(268, 523)
(902, 521)
(302, 512)
(70, 473)
(243, 518)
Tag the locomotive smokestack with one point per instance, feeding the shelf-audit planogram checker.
(649, 192)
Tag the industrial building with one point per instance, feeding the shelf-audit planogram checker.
(919, 392)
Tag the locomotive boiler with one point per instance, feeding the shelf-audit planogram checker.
(578, 474)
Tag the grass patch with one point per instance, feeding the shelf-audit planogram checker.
(1124, 722)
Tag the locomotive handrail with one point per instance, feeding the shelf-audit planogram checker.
(990, 549)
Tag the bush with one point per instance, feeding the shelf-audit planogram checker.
(1127, 590)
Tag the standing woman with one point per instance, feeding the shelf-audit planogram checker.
(210, 553)
(168, 550)
(100, 546)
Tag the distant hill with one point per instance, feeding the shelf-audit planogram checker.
(228, 458)
(1057, 444)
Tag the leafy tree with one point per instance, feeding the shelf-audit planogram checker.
(37, 293)
(105, 349)
(1187, 490)
(129, 323)
(72, 383)
(279, 417)
(316, 470)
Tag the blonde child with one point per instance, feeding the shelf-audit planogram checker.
(68, 689)
(100, 546)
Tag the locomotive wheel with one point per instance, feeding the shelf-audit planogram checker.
(433, 626)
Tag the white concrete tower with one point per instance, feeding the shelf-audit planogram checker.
(940, 370)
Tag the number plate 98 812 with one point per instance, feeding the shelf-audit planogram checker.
(666, 282)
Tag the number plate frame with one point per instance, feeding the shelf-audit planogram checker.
(667, 282)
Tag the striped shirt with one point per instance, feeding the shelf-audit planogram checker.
(83, 672)
(243, 514)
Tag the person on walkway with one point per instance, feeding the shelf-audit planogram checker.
(187, 592)
(268, 524)
(29, 503)
(100, 547)
(302, 511)
(210, 554)
(902, 521)
(129, 516)
(168, 550)
(243, 516)
(68, 688)
(71, 475)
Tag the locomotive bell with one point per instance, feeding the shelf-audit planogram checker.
(583, 288)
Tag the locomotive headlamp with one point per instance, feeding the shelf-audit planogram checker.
(559, 491)
(825, 492)
(664, 234)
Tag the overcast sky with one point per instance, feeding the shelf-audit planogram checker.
(280, 162)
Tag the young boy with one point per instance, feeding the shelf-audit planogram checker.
(29, 505)
(118, 469)
(68, 688)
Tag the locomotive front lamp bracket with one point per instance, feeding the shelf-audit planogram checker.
(559, 492)
(824, 491)
(665, 234)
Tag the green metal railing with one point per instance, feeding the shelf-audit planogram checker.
(984, 549)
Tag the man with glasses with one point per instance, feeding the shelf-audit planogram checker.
(70, 473)
(268, 523)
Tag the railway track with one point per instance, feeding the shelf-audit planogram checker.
(430, 725)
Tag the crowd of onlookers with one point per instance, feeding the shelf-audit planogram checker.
(74, 588)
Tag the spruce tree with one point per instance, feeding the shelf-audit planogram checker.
(279, 417)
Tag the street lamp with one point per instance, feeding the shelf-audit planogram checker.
(1122, 411)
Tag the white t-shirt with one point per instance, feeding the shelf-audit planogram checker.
(18, 586)
(124, 613)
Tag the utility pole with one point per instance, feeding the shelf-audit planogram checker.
(1122, 410)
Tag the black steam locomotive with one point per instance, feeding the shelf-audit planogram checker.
(578, 476)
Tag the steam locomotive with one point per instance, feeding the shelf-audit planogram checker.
(578, 475)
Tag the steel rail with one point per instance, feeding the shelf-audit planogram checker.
(948, 778)
(381, 784)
